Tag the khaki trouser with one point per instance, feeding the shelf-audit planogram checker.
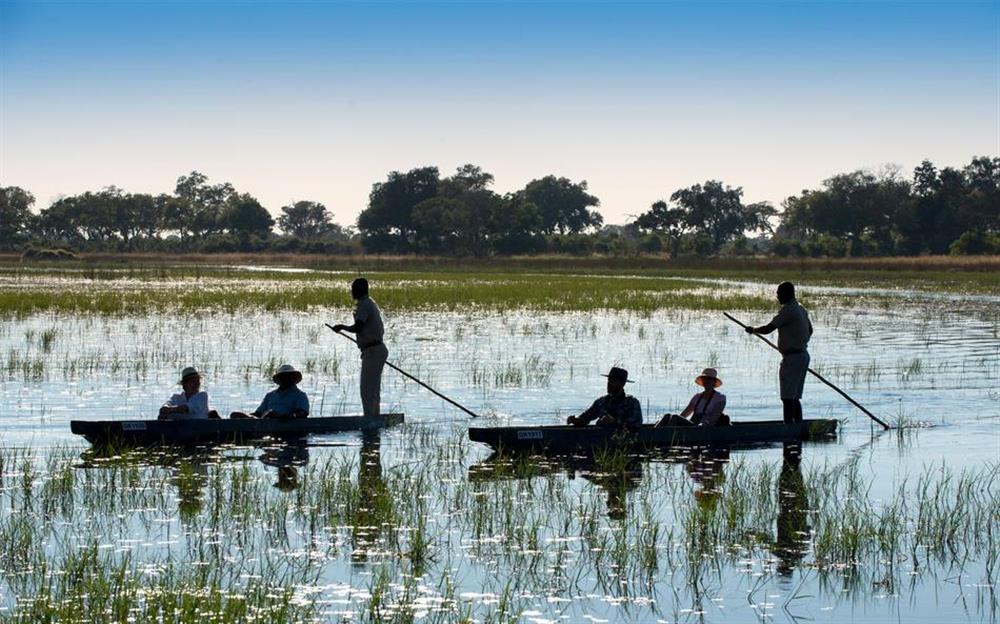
(792, 374)
(372, 362)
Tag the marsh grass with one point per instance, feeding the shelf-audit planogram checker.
(178, 537)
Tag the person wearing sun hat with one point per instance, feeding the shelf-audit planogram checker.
(191, 402)
(705, 408)
(615, 409)
(286, 401)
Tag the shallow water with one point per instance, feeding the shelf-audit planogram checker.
(925, 362)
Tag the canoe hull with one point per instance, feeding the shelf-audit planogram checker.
(569, 439)
(215, 431)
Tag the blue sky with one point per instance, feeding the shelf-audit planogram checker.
(318, 100)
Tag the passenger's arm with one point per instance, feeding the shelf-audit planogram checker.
(690, 406)
(198, 405)
(262, 408)
(634, 417)
(301, 406)
(592, 412)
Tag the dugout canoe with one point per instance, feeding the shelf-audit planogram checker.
(214, 431)
(569, 439)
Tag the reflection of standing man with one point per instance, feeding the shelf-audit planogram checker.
(794, 330)
(369, 329)
(793, 532)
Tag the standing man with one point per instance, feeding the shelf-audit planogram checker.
(369, 330)
(794, 331)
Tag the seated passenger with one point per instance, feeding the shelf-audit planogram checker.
(189, 404)
(704, 408)
(286, 402)
(616, 409)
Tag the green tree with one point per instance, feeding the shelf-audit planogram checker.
(200, 212)
(387, 222)
(665, 220)
(15, 215)
(462, 218)
(716, 214)
(860, 207)
(564, 205)
(244, 216)
(309, 221)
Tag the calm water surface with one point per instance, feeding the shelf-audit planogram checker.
(932, 363)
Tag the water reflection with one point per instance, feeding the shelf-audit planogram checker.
(793, 531)
(287, 457)
(374, 503)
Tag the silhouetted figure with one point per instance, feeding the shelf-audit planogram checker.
(374, 499)
(705, 468)
(285, 402)
(191, 402)
(616, 483)
(287, 458)
(794, 330)
(792, 541)
(370, 330)
(190, 478)
(615, 409)
(705, 408)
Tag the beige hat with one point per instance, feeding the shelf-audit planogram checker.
(286, 369)
(708, 373)
(190, 371)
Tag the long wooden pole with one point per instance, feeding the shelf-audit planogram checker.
(411, 377)
(817, 376)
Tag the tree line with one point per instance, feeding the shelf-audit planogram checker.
(862, 213)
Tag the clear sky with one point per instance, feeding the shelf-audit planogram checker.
(318, 100)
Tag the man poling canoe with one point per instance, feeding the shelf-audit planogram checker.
(370, 330)
(794, 330)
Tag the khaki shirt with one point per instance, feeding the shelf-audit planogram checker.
(368, 314)
(794, 327)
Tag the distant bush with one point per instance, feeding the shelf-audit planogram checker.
(35, 253)
(975, 244)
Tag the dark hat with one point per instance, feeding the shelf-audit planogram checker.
(187, 373)
(618, 374)
(286, 370)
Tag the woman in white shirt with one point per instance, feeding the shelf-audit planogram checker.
(705, 409)
(189, 404)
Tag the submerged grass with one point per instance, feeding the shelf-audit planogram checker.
(360, 536)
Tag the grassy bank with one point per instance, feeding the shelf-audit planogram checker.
(142, 284)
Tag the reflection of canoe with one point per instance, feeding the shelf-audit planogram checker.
(152, 432)
(565, 438)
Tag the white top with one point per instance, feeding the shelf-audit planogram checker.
(197, 405)
(705, 412)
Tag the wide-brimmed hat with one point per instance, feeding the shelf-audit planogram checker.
(708, 373)
(187, 373)
(618, 374)
(286, 369)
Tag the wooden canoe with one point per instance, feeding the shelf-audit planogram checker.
(569, 439)
(213, 431)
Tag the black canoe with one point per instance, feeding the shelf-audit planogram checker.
(212, 431)
(568, 439)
